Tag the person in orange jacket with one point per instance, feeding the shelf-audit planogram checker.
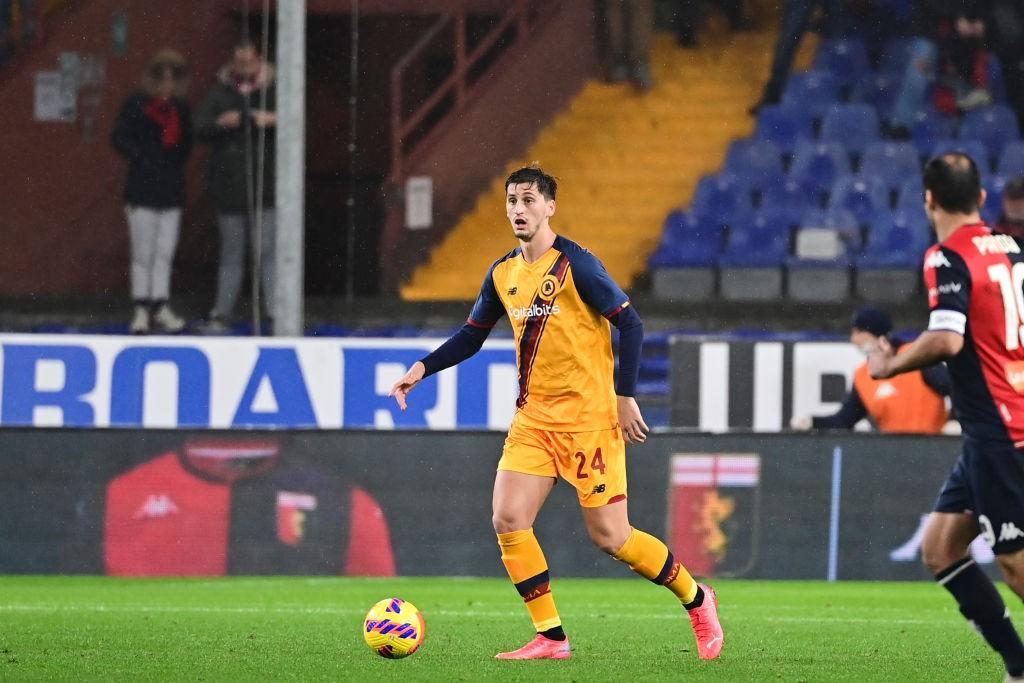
(914, 402)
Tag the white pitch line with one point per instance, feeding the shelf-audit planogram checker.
(176, 609)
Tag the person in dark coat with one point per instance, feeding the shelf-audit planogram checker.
(153, 132)
(237, 119)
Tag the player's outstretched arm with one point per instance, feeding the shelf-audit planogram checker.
(634, 429)
(409, 380)
(930, 348)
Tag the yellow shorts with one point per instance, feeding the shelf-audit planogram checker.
(593, 462)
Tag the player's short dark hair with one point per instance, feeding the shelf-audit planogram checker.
(954, 182)
(546, 184)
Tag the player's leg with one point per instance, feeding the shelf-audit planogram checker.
(1012, 565)
(947, 537)
(595, 463)
(610, 530)
(525, 478)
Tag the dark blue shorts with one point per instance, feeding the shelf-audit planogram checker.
(988, 480)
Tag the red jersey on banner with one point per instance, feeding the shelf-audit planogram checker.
(237, 508)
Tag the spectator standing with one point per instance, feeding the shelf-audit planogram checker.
(795, 21)
(908, 403)
(236, 119)
(628, 26)
(153, 132)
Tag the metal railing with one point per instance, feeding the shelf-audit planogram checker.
(407, 131)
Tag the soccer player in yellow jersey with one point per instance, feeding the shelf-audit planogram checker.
(572, 421)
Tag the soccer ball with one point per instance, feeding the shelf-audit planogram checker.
(394, 628)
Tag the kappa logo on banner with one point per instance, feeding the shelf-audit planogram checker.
(714, 503)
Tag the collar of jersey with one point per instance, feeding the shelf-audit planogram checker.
(546, 258)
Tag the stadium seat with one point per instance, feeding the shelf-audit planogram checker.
(845, 58)
(891, 162)
(812, 90)
(755, 162)
(993, 207)
(722, 195)
(787, 194)
(683, 265)
(877, 89)
(995, 126)
(817, 165)
(1011, 161)
(863, 196)
(911, 196)
(855, 126)
(888, 270)
(973, 148)
(835, 219)
(750, 268)
(930, 127)
(784, 125)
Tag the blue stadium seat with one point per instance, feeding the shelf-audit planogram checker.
(864, 197)
(930, 127)
(995, 126)
(812, 90)
(855, 126)
(817, 165)
(916, 222)
(911, 198)
(756, 163)
(1011, 161)
(993, 207)
(845, 58)
(877, 89)
(785, 194)
(895, 247)
(758, 242)
(891, 162)
(688, 240)
(784, 125)
(722, 195)
(839, 219)
(975, 149)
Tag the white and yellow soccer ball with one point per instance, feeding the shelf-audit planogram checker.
(394, 628)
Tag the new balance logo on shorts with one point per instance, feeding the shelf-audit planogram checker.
(598, 489)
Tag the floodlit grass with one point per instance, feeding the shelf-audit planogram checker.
(238, 629)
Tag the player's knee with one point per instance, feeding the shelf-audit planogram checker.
(937, 556)
(506, 522)
(608, 540)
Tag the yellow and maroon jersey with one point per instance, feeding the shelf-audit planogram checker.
(559, 308)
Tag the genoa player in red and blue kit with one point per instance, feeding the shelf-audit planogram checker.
(975, 283)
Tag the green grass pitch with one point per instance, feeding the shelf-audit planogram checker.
(240, 629)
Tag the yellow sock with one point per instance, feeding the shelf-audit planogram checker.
(651, 559)
(526, 566)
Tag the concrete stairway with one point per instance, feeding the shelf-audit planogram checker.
(623, 160)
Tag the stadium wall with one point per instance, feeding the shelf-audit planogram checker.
(144, 502)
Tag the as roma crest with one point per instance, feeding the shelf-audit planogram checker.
(549, 287)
